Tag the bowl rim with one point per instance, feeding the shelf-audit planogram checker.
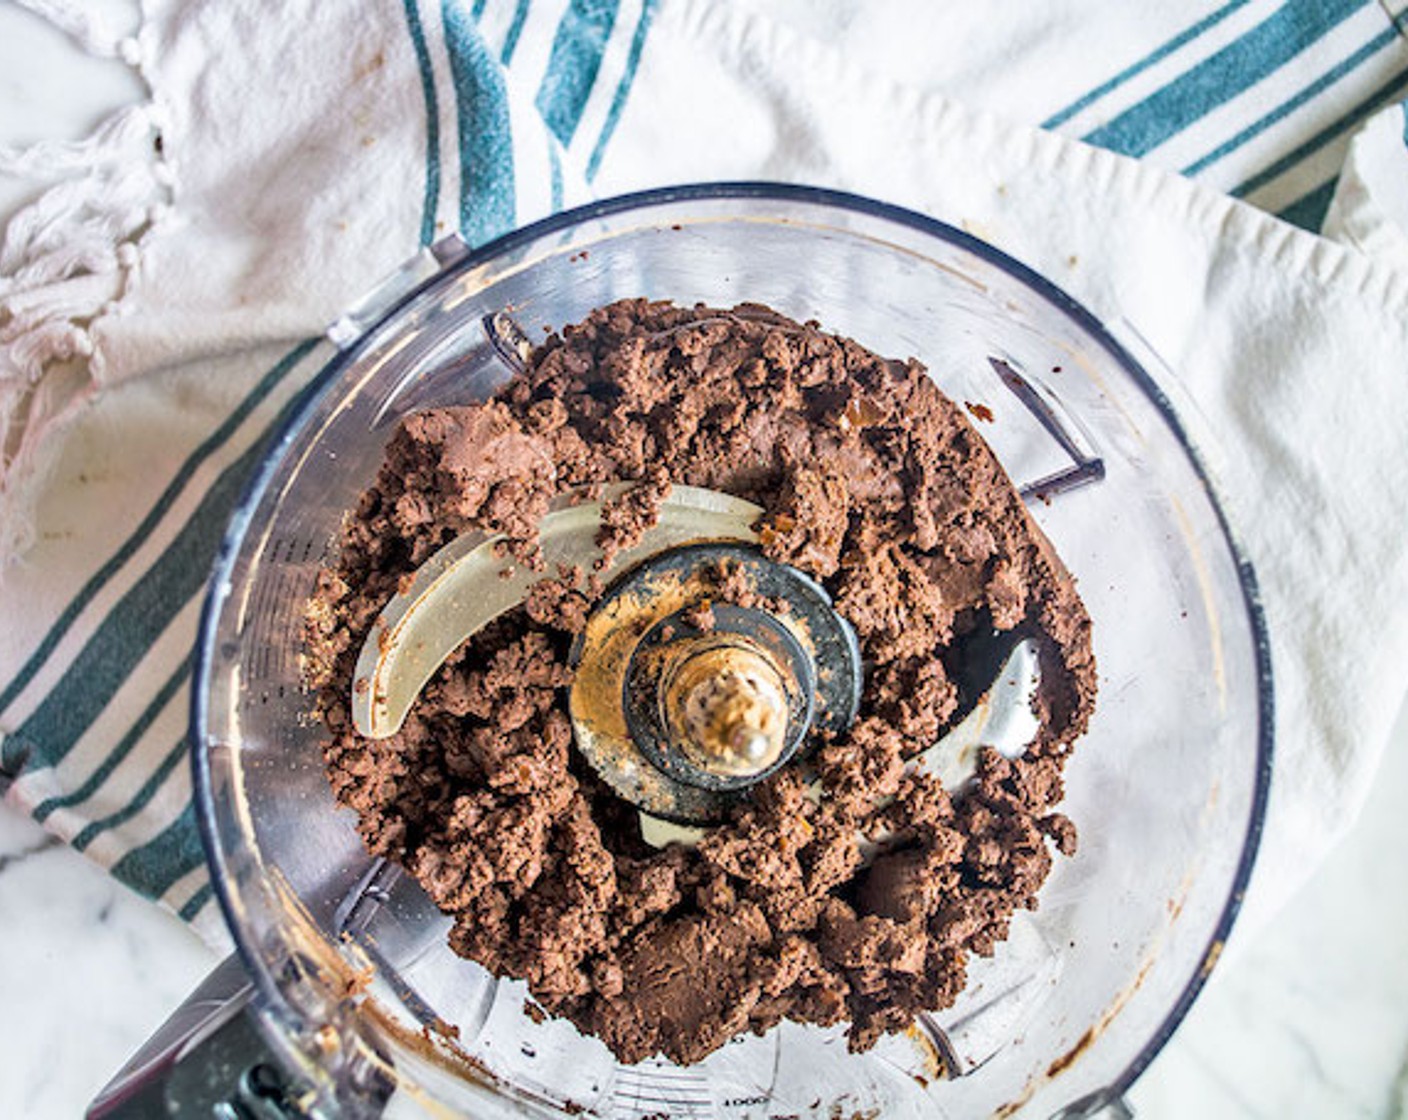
(241, 520)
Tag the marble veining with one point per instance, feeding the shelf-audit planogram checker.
(87, 969)
(43, 844)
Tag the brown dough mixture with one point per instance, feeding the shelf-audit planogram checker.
(874, 483)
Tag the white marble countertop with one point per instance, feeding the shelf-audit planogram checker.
(1308, 1019)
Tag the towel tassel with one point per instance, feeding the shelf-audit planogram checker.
(65, 262)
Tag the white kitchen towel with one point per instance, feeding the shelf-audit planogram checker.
(158, 304)
(1370, 207)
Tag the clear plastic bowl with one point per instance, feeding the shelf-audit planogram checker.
(1168, 788)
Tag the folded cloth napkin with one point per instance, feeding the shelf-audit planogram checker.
(158, 303)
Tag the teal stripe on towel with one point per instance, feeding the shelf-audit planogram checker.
(125, 745)
(487, 206)
(1327, 79)
(1365, 108)
(515, 29)
(139, 800)
(155, 866)
(123, 638)
(623, 87)
(196, 902)
(132, 544)
(1287, 32)
(1157, 55)
(555, 174)
(577, 49)
(431, 198)
(1309, 210)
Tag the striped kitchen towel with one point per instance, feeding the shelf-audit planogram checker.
(159, 303)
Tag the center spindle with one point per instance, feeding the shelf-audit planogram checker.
(725, 706)
(683, 700)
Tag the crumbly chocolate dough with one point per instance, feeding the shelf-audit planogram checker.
(875, 484)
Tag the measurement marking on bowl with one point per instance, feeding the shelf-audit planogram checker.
(644, 1092)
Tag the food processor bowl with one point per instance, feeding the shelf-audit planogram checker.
(353, 984)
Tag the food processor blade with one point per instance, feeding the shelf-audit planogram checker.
(470, 582)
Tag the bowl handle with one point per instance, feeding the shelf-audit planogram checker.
(207, 1059)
